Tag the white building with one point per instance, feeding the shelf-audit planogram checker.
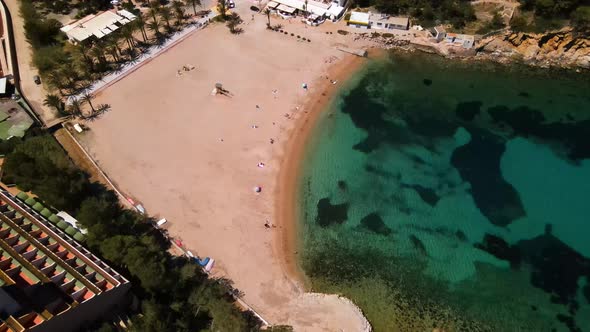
(97, 26)
(293, 7)
(386, 22)
(378, 21)
(465, 41)
(359, 20)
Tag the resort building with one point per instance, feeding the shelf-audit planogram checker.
(97, 26)
(438, 32)
(378, 21)
(292, 8)
(48, 281)
(465, 41)
(386, 22)
(359, 20)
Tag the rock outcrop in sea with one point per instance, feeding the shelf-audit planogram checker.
(563, 48)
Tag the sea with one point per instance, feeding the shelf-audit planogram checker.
(448, 195)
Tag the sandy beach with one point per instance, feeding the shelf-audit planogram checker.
(194, 158)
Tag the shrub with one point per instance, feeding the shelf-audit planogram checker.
(298, 36)
(292, 34)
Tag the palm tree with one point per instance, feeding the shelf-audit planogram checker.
(154, 26)
(75, 107)
(267, 12)
(140, 23)
(222, 7)
(55, 102)
(98, 51)
(195, 3)
(57, 81)
(233, 21)
(82, 49)
(166, 15)
(87, 98)
(127, 33)
(113, 48)
(154, 9)
(178, 8)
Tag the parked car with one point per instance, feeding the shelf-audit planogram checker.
(37, 79)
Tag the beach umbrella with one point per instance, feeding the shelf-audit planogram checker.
(218, 85)
(257, 189)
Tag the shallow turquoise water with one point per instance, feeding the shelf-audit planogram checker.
(454, 195)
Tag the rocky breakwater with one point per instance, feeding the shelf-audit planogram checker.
(563, 48)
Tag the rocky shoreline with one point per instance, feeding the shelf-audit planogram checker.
(561, 49)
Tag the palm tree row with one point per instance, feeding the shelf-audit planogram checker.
(89, 61)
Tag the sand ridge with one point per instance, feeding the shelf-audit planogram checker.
(192, 157)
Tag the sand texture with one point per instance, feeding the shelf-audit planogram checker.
(192, 157)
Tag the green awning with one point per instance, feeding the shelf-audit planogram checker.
(79, 237)
(62, 225)
(53, 218)
(46, 213)
(38, 207)
(22, 195)
(30, 201)
(70, 231)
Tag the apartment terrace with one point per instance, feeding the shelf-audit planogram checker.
(43, 271)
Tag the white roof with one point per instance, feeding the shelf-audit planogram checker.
(335, 10)
(3, 81)
(96, 25)
(314, 7)
(67, 218)
(127, 14)
(286, 9)
(272, 4)
(358, 17)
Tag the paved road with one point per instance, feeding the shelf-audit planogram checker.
(34, 93)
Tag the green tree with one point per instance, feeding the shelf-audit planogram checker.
(581, 19)
(87, 98)
(141, 24)
(267, 13)
(195, 3)
(497, 22)
(55, 102)
(178, 9)
(233, 20)
(222, 8)
(166, 15)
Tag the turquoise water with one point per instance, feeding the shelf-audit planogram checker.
(443, 194)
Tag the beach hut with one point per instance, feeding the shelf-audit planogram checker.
(359, 20)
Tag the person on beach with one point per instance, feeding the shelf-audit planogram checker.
(272, 141)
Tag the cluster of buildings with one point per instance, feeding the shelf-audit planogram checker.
(320, 10)
(97, 26)
(378, 21)
(456, 39)
(48, 281)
